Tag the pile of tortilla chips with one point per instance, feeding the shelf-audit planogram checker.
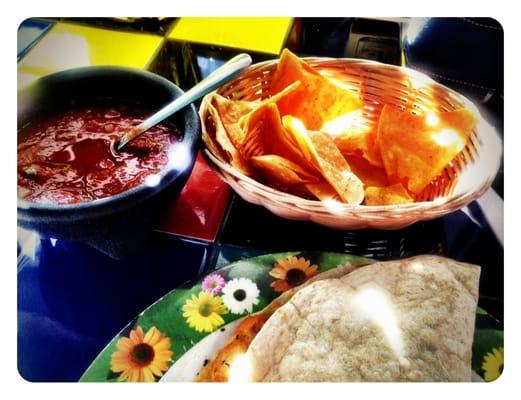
(309, 139)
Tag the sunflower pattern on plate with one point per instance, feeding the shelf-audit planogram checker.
(493, 364)
(203, 312)
(149, 345)
(291, 272)
(141, 357)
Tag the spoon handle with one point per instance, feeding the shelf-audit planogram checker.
(221, 75)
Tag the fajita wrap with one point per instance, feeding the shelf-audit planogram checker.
(404, 320)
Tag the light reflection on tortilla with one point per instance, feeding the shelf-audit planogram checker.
(417, 266)
(374, 303)
(344, 123)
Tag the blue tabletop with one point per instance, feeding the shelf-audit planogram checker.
(72, 299)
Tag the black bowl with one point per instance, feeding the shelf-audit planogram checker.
(118, 223)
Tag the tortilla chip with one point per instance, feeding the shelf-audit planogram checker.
(323, 191)
(361, 143)
(275, 97)
(320, 150)
(281, 172)
(233, 112)
(368, 174)
(299, 135)
(228, 134)
(378, 196)
(221, 144)
(230, 112)
(336, 170)
(209, 134)
(462, 118)
(266, 135)
(416, 148)
(317, 100)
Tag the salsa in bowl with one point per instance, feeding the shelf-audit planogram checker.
(70, 158)
(71, 182)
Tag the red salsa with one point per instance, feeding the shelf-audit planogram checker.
(68, 158)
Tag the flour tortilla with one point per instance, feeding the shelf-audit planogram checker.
(406, 320)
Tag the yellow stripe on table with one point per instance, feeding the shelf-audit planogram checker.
(72, 45)
(263, 35)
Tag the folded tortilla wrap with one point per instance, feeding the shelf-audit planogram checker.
(404, 320)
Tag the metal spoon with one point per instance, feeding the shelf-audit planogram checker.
(221, 75)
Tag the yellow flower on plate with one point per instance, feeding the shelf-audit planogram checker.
(493, 364)
(291, 272)
(140, 356)
(202, 312)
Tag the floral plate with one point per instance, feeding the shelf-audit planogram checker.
(173, 338)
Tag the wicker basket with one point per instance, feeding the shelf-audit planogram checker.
(466, 178)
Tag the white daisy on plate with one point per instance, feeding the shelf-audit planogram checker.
(240, 295)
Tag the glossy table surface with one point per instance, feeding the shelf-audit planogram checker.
(72, 299)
